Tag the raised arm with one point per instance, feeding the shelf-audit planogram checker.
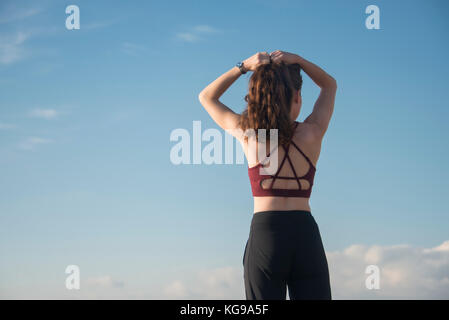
(324, 106)
(209, 96)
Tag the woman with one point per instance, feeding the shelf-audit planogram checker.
(284, 247)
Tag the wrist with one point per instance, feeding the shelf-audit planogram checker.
(238, 71)
(299, 59)
(242, 67)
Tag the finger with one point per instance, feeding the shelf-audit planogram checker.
(276, 59)
(264, 55)
(265, 60)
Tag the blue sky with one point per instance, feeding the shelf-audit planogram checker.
(86, 116)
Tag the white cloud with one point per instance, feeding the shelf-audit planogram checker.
(205, 29)
(11, 47)
(31, 142)
(44, 113)
(104, 282)
(187, 36)
(13, 14)
(406, 272)
(176, 290)
(444, 247)
(196, 33)
(12, 44)
(219, 283)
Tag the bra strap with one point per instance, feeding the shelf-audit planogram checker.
(280, 167)
(305, 156)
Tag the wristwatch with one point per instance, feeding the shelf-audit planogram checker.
(241, 67)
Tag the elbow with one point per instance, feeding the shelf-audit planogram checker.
(201, 96)
(204, 97)
(328, 83)
(332, 83)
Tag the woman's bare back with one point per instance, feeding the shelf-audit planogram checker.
(311, 147)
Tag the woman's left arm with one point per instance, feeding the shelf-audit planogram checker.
(209, 97)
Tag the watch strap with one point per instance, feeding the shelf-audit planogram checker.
(241, 67)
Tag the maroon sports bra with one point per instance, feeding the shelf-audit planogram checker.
(256, 178)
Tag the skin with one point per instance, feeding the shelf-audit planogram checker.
(309, 133)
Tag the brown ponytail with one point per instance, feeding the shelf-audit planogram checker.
(271, 89)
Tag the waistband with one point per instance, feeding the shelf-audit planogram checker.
(280, 215)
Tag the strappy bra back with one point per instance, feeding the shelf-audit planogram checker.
(256, 178)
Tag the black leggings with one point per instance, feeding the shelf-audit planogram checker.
(284, 249)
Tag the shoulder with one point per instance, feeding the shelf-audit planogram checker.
(308, 140)
(308, 133)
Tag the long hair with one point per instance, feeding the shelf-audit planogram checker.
(270, 93)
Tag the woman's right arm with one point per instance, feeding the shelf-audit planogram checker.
(324, 106)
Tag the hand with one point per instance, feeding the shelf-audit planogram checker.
(256, 60)
(288, 58)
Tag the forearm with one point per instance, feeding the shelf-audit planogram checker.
(216, 88)
(318, 75)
